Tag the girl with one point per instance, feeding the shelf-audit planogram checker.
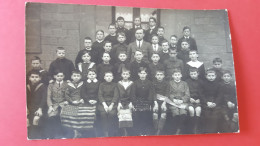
(85, 64)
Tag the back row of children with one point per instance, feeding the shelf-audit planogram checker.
(146, 78)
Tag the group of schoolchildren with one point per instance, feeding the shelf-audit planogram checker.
(131, 82)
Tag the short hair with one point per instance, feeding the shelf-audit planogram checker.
(140, 69)
(193, 69)
(121, 33)
(154, 35)
(139, 29)
(210, 70)
(159, 70)
(60, 48)
(138, 51)
(153, 19)
(100, 31)
(106, 53)
(217, 60)
(108, 72)
(154, 53)
(124, 69)
(186, 27)
(138, 18)
(81, 53)
(111, 24)
(165, 41)
(122, 52)
(185, 40)
(105, 42)
(34, 72)
(88, 38)
(57, 71)
(175, 36)
(173, 49)
(75, 72)
(192, 50)
(160, 27)
(92, 70)
(36, 58)
(176, 70)
(227, 72)
(120, 18)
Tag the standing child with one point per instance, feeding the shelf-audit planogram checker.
(97, 46)
(61, 63)
(136, 64)
(217, 66)
(180, 96)
(120, 47)
(112, 34)
(107, 49)
(36, 100)
(160, 33)
(104, 67)
(164, 55)
(183, 54)
(121, 28)
(125, 106)
(156, 48)
(108, 98)
(173, 41)
(120, 65)
(154, 66)
(187, 36)
(85, 64)
(55, 101)
(137, 24)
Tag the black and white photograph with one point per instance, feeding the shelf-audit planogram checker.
(111, 71)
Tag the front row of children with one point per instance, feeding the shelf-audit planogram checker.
(142, 107)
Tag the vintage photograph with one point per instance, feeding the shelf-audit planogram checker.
(109, 71)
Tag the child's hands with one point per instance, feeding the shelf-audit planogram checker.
(230, 105)
(209, 104)
(81, 101)
(197, 101)
(64, 103)
(68, 81)
(92, 102)
(163, 107)
(76, 102)
(111, 107)
(119, 106)
(105, 106)
(51, 109)
(38, 112)
(192, 100)
(179, 101)
(155, 108)
(131, 106)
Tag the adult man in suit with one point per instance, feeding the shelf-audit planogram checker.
(137, 24)
(139, 44)
(152, 29)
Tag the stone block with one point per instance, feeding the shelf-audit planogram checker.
(46, 32)
(65, 17)
(33, 27)
(59, 32)
(49, 8)
(50, 24)
(68, 41)
(33, 11)
(66, 8)
(73, 32)
(70, 25)
(49, 40)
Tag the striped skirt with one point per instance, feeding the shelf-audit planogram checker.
(80, 117)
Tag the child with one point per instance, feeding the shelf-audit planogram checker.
(217, 66)
(36, 100)
(55, 101)
(108, 98)
(137, 24)
(135, 65)
(97, 46)
(161, 88)
(125, 105)
(211, 106)
(193, 54)
(85, 64)
(112, 34)
(143, 99)
(36, 66)
(180, 96)
(227, 91)
(186, 35)
(194, 83)
(88, 47)
(120, 65)
(160, 33)
(155, 65)
(121, 28)
(183, 54)
(152, 29)
(61, 63)
(121, 46)
(172, 63)
(173, 41)
(156, 48)
(164, 55)
(104, 67)
(107, 47)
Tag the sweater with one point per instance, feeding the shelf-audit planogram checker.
(65, 65)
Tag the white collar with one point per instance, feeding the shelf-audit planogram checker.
(99, 41)
(141, 41)
(94, 81)
(166, 51)
(186, 37)
(73, 86)
(196, 64)
(61, 82)
(137, 26)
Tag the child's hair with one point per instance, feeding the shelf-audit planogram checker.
(108, 72)
(138, 51)
(159, 71)
(34, 72)
(210, 70)
(105, 42)
(217, 60)
(91, 70)
(83, 53)
(173, 49)
(138, 18)
(36, 58)
(76, 72)
(193, 51)
(100, 31)
(105, 53)
(227, 72)
(175, 36)
(186, 27)
(193, 69)
(112, 24)
(57, 71)
(121, 33)
(124, 69)
(139, 29)
(142, 69)
(120, 18)
(165, 41)
(185, 40)
(154, 35)
(160, 27)
(60, 48)
(153, 19)
(176, 70)
(122, 52)
(87, 38)
(154, 53)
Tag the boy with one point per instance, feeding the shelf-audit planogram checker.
(97, 46)
(104, 67)
(173, 41)
(227, 91)
(194, 83)
(172, 63)
(36, 100)
(186, 35)
(88, 47)
(156, 48)
(107, 48)
(161, 88)
(121, 46)
(135, 65)
(217, 66)
(112, 34)
(137, 24)
(120, 65)
(36, 66)
(62, 64)
(155, 65)
(55, 101)
(180, 96)
(183, 54)
(152, 29)
(121, 28)
(164, 55)
(160, 33)
(108, 98)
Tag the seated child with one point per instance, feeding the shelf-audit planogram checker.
(227, 90)
(112, 34)
(85, 64)
(183, 54)
(36, 66)
(143, 99)
(194, 83)
(125, 105)
(154, 66)
(120, 47)
(180, 96)
(62, 64)
(36, 100)
(108, 98)
(173, 42)
(164, 55)
(160, 33)
(193, 54)
(186, 36)
(136, 64)
(173, 63)
(55, 101)
(156, 48)
(104, 67)
(122, 63)
(217, 66)
(161, 88)
(97, 46)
